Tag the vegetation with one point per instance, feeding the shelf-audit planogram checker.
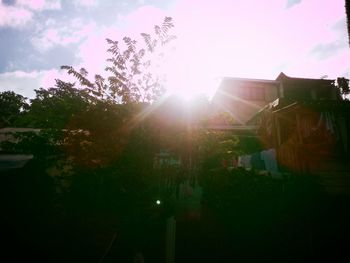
(132, 73)
(12, 107)
(93, 175)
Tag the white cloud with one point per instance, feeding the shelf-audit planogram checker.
(253, 39)
(143, 19)
(54, 33)
(323, 51)
(19, 14)
(24, 83)
(338, 42)
(12, 16)
(91, 52)
(232, 38)
(85, 3)
(39, 5)
(20, 82)
(93, 49)
(291, 3)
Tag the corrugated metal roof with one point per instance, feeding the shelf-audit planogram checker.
(13, 161)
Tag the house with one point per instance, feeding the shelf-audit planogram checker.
(243, 98)
(307, 89)
(309, 126)
(14, 161)
(306, 121)
(11, 160)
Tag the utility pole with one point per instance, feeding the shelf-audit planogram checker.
(170, 240)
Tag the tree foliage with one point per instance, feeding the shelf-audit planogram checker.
(55, 107)
(132, 71)
(343, 85)
(12, 106)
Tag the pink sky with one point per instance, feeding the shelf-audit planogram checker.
(253, 39)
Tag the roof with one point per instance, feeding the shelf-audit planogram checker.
(13, 161)
(283, 105)
(283, 77)
(11, 129)
(228, 82)
(267, 81)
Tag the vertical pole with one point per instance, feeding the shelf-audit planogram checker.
(170, 240)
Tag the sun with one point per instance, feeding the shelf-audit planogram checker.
(189, 86)
(187, 78)
(180, 86)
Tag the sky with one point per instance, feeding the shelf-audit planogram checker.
(222, 38)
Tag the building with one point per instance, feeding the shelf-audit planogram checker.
(305, 121)
(243, 98)
(298, 89)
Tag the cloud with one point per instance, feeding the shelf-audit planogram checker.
(92, 51)
(339, 42)
(39, 5)
(85, 3)
(18, 13)
(20, 82)
(340, 26)
(56, 33)
(346, 73)
(24, 83)
(324, 51)
(227, 38)
(143, 19)
(291, 3)
(312, 67)
(11, 16)
(90, 41)
(253, 39)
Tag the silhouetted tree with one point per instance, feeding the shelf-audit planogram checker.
(12, 106)
(56, 106)
(343, 85)
(131, 72)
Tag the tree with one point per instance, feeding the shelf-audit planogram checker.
(105, 131)
(12, 106)
(213, 146)
(56, 106)
(132, 75)
(343, 85)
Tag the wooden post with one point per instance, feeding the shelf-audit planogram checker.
(298, 126)
(170, 240)
(299, 160)
(278, 128)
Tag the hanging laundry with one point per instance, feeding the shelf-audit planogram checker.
(224, 163)
(269, 158)
(246, 162)
(257, 162)
(234, 162)
(239, 161)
